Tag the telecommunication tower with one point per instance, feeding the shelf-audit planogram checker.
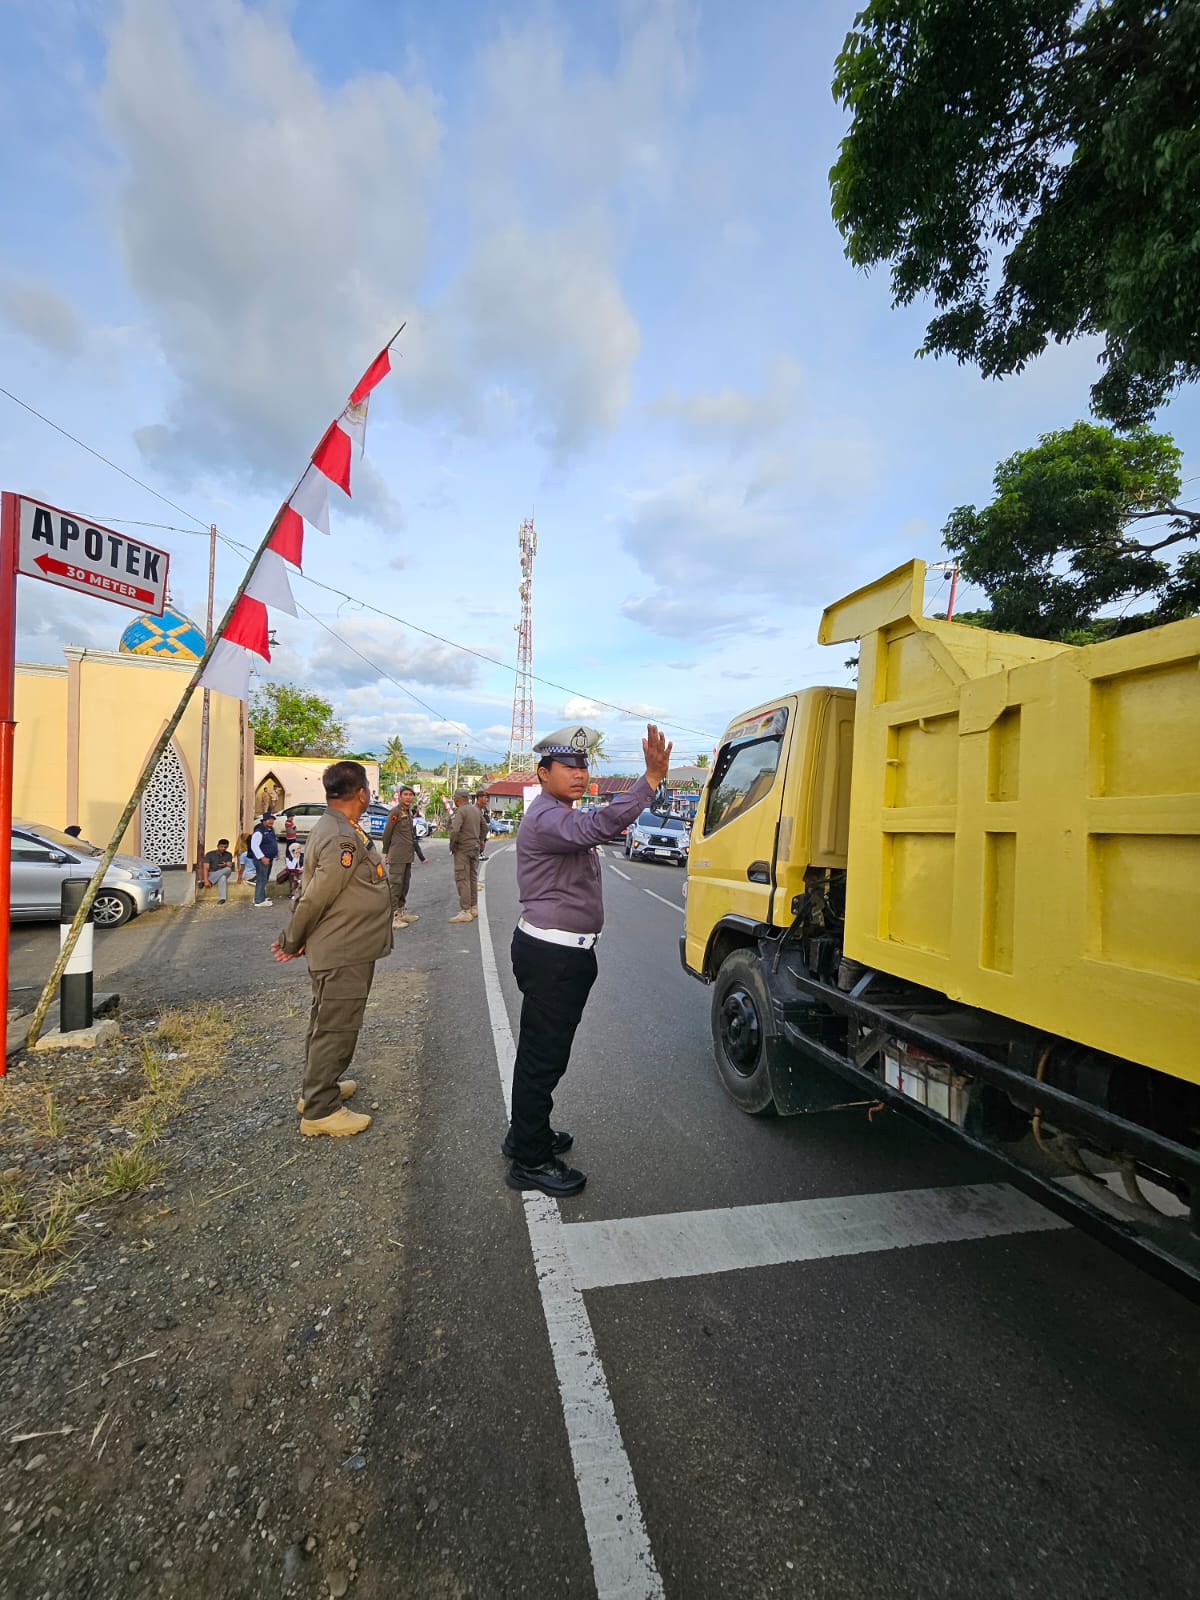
(520, 743)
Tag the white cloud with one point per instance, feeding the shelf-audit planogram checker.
(42, 316)
(273, 229)
(387, 649)
(48, 617)
(734, 416)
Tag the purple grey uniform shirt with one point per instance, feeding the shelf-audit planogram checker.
(558, 872)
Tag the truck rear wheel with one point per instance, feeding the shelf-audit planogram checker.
(740, 1011)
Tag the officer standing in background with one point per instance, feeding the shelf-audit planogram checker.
(342, 925)
(553, 946)
(467, 834)
(400, 844)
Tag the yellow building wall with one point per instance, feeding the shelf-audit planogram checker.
(40, 750)
(84, 732)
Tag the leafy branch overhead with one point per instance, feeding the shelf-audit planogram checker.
(1084, 522)
(288, 722)
(1032, 166)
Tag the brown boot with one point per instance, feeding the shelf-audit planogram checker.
(341, 1124)
(463, 916)
(474, 913)
(346, 1088)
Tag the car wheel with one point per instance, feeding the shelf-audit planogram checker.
(111, 908)
(743, 1051)
(628, 851)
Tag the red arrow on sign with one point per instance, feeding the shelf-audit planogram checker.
(93, 580)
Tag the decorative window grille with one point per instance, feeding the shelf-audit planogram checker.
(165, 820)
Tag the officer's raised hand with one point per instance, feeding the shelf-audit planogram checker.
(657, 751)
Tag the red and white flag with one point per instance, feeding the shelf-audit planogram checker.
(248, 626)
(269, 583)
(228, 670)
(332, 456)
(288, 538)
(311, 499)
(378, 370)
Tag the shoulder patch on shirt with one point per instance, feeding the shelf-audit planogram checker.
(347, 857)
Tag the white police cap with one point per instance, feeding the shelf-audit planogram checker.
(567, 743)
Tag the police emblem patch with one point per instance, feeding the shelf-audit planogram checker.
(347, 858)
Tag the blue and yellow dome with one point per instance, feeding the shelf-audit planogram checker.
(172, 635)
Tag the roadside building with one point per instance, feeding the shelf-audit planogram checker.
(85, 727)
(283, 781)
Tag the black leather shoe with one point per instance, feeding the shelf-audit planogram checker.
(552, 1178)
(559, 1142)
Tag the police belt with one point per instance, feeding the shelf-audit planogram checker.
(577, 941)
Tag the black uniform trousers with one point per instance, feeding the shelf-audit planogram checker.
(555, 981)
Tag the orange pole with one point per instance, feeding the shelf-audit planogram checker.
(9, 512)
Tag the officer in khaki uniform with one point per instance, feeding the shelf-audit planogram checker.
(342, 925)
(468, 833)
(400, 846)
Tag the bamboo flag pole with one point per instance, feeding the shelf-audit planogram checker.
(152, 760)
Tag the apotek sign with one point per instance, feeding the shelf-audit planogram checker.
(66, 549)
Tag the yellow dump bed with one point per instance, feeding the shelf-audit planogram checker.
(1025, 821)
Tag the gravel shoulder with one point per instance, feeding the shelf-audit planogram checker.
(191, 1408)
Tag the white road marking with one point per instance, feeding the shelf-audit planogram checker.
(693, 1243)
(620, 874)
(674, 905)
(623, 1565)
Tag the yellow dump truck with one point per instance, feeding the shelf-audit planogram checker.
(971, 889)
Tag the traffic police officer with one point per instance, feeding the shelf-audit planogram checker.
(342, 925)
(399, 847)
(553, 946)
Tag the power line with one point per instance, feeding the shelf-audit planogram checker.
(235, 544)
(107, 462)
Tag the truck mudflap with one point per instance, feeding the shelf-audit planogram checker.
(812, 1020)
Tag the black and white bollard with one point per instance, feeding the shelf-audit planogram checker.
(75, 990)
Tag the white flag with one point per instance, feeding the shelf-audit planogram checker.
(228, 670)
(353, 421)
(269, 583)
(311, 499)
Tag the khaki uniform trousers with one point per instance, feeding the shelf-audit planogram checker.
(399, 878)
(466, 877)
(339, 1000)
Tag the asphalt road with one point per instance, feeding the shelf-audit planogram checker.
(1009, 1416)
(1002, 1417)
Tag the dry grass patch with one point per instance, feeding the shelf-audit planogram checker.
(59, 1154)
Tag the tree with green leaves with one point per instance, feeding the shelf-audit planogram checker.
(1033, 167)
(1085, 523)
(702, 759)
(393, 763)
(288, 722)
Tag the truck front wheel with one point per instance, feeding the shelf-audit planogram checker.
(743, 1050)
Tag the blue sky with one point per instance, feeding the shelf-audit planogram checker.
(628, 313)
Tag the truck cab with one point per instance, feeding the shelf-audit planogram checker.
(776, 807)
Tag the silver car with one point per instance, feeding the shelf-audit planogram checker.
(43, 858)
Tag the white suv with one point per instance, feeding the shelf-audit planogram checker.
(660, 838)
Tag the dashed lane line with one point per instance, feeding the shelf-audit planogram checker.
(619, 873)
(674, 905)
(623, 1565)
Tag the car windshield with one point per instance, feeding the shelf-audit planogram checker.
(62, 841)
(651, 819)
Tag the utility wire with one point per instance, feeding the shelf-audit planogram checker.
(107, 462)
(234, 544)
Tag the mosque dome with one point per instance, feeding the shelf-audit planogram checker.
(172, 637)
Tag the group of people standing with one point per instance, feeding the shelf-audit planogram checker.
(351, 905)
(256, 857)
